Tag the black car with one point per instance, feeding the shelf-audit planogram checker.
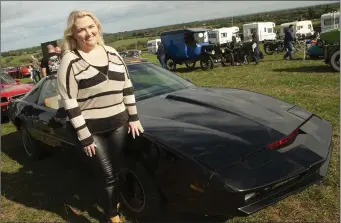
(217, 151)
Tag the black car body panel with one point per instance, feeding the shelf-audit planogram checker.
(207, 148)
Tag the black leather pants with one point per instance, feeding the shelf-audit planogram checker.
(106, 161)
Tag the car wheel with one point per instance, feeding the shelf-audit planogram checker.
(171, 65)
(206, 63)
(227, 59)
(267, 50)
(140, 197)
(335, 61)
(31, 149)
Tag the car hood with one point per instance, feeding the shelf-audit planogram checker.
(16, 89)
(223, 122)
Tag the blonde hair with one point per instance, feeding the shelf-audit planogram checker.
(69, 42)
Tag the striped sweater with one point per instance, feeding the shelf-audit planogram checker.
(96, 102)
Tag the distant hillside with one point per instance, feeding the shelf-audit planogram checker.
(279, 17)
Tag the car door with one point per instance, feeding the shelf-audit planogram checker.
(54, 132)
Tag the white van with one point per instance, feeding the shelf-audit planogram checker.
(330, 21)
(300, 28)
(264, 30)
(152, 45)
(223, 35)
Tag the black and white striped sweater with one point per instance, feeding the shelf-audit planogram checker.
(96, 102)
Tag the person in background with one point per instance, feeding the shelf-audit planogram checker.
(255, 47)
(49, 65)
(35, 69)
(97, 94)
(289, 39)
(58, 51)
(161, 55)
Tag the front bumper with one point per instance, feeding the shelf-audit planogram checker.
(310, 156)
(298, 184)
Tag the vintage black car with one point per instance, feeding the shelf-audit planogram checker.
(218, 151)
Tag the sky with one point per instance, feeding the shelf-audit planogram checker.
(29, 23)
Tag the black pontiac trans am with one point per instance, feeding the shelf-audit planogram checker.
(216, 151)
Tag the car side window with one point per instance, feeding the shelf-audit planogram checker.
(48, 96)
(33, 95)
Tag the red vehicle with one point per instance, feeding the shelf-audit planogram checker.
(23, 71)
(11, 89)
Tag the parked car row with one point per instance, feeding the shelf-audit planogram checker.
(189, 46)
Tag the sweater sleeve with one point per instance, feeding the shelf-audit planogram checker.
(128, 91)
(129, 97)
(68, 89)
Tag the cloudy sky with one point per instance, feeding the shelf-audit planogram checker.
(28, 23)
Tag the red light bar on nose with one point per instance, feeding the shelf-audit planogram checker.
(285, 141)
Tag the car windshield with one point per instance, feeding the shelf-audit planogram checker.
(6, 79)
(199, 37)
(150, 80)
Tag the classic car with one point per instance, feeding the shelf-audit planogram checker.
(218, 151)
(188, 46)
(11, 89)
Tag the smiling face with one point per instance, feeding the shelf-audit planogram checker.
(86, 32)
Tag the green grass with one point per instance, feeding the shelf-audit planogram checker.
(43, 191)
(127, 42)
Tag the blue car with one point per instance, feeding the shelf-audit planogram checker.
(187, 46)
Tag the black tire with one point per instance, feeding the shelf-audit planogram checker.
(335, 61)
(171, 65)
(190, 65)
(134, 176)
(31, 147)
(267, 50)
(206, 63)
(227, 59)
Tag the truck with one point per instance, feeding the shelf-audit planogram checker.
(264, 30)
(330, 21)
(302, 29)
(331, 48)
(152, 45)
(223, 35)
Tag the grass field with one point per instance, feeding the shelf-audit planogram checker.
(127, 42)
(46, 191)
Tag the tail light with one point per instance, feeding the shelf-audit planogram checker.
(285, 141)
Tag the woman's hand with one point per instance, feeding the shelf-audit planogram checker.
(134, 128)
(90, 150)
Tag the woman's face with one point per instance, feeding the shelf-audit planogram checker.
(86, 32)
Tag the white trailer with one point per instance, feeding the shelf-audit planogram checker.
(223, 35)
(300, 28)
(330, 21)
(152, 45)
(264, 30)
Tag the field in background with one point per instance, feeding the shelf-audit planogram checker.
(57, 189)
(126, 42)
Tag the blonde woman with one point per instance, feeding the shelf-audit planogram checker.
(97, 93)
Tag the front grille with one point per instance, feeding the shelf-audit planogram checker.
(17, 96)
(4, 99)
